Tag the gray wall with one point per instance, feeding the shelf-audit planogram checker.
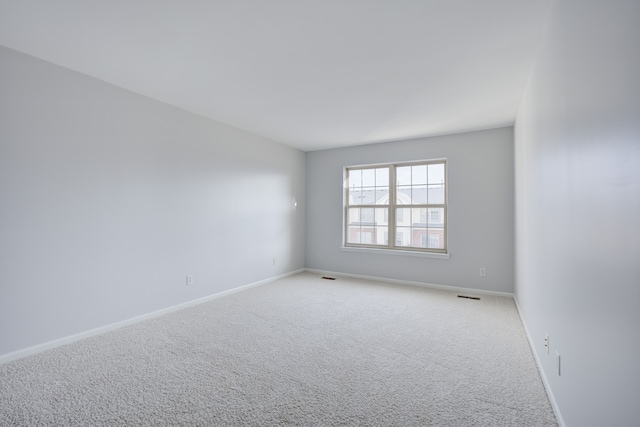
(480, 211)
(109, 199)
(578, 209)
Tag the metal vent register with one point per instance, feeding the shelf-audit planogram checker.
(468, 297)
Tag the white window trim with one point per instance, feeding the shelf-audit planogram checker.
(392, 249)
(402, 252)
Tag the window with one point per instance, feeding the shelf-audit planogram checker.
(398, 217)
(434, 241)
(367, 215)
(364, 236)
(397, 206)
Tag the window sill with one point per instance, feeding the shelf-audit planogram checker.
(396, 252)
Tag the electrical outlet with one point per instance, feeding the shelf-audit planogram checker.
(483, 272)
(546, 342)
(558, 366)
(189, 280)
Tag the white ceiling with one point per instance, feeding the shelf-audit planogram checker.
(312, 74)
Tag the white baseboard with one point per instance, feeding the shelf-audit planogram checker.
(410, 283)
(19, 354)
(545, 381)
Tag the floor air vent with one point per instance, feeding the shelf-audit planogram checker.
(468, 297)
(328, 278)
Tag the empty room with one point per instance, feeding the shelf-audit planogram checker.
(323, 213)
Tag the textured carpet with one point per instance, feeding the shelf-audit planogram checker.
(299, 351)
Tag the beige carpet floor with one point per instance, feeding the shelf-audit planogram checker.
(299, 351)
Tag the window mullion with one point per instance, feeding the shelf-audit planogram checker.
(392, 207)
(346, 207)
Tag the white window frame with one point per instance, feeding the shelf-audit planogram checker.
(390, 210)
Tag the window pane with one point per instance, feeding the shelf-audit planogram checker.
(382, 177)
(419, 175)
(368, 178)
(353, 225)
(381, 230)
(419, 195)
(436, 217)
(366, 215)
(382, 196)
(403, 175)
(353, 235)
(364, 236)
(436, 195)
(418, 237)
(436, 174)
(403, 216)
(403, 195)
(435, 238)
(403, 236)
(423, 215)
(353, 216)
(368, 196)
(355, 196)
(355, 178)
